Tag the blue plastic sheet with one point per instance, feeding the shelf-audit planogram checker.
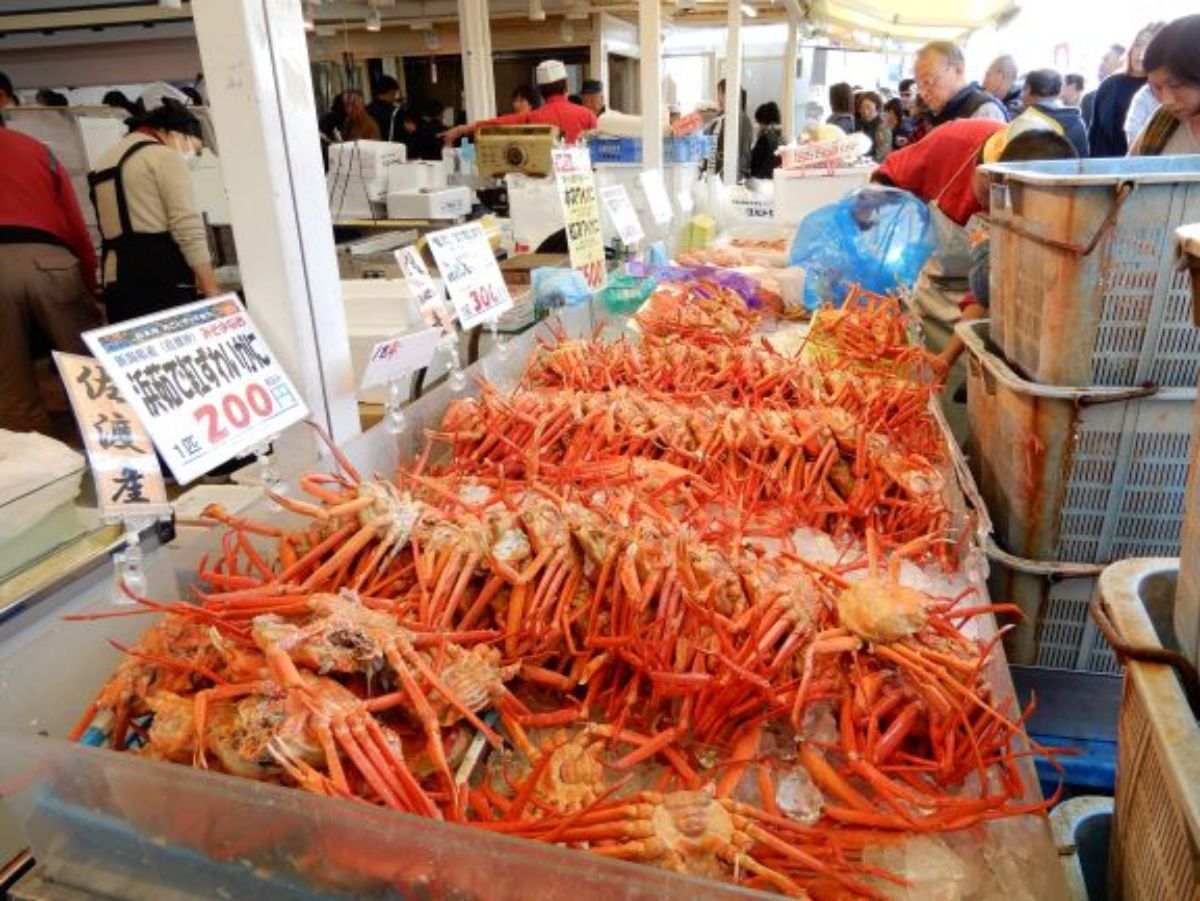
(875, 237)
(555, 287)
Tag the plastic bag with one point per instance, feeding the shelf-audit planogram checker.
(554, 288)
(875, 237)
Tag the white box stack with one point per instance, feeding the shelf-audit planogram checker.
(359, 176)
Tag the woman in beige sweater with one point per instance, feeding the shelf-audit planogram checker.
(155, 249)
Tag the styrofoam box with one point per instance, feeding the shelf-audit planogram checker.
(416, 174)
(370, 158)
(799, 191)
(438, 203)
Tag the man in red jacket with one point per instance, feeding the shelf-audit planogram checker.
(47, 274)
(570, 119)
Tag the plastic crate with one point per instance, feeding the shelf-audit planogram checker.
(684, 149)
(1156, 818)
(1082, 475)
(689, 148)
(1084, 288)
(615, 150)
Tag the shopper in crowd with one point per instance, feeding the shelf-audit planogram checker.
(869, 114)
(907, 92)
(8, 95)
(1172, 64)
(592, 95)
(1109, 63)
(384, 107)
(524, 99)
(192, 95)
(941, 77)
(48, 97)
(897, 123)
(47, 273)
(155, 248)
(118, 100)
(1000, 81)
(1106, 134)
(1141, 108)
(841, 104)
(745, 135)
(763, 158)
(1041, 92)
(357, 123)
(1072, 90)
(570, 119)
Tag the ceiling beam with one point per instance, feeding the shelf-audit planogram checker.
(92, 18)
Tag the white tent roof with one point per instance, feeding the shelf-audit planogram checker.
(912, 20)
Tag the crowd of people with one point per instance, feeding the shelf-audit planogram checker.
(1146, 102)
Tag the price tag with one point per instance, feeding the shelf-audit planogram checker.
(468, 266)
(430, 301)
(656, 195)
(393, 358)
(753, 207)
(202, 380)
(577, 192)
(624, 216)
(129, 483)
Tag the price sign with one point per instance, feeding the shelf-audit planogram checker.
(430, 301)
(393, 358)
(656, 195)
(577, 192)
(624, 216)
(129, 483)
(753, 207)
(202, 380)
(468, 266)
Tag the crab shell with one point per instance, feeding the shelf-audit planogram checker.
(882, 611)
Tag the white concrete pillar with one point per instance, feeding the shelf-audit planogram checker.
(733, 93)
(260, 90)
(598, 56)
(475, 36)
(650, 75)
(789, 79)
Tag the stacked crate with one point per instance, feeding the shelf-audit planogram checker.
(1081, 387)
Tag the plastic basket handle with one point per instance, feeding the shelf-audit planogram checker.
(1184, 669)
(1053, 568)
(1082, 250)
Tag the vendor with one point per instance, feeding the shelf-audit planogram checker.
(592, 95)
(943, 170)
(570, 119)
(155, 249)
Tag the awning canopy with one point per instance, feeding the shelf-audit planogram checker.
(911, 20)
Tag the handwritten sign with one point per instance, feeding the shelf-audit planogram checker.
(577, 193)
(202, 380)
(656, 195)
(624, 217)
(129, 483)
(399, 355)
(753, 207)
(430, 301)
(468, 266)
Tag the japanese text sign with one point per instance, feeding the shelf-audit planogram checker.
(577, 193)
(393, 358)
(202, 380)
(624, 217)
(129, 483)
(656, 195)
(468, 266)
(430, 300)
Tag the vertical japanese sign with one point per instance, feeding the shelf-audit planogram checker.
(624, 217)
(430, 301)
(468, 266)
(129, 483)
(656, 195)
(202, 380)
(577, 192)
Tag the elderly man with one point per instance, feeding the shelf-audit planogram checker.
(592, 95)
(941, 78)
(1000, 81)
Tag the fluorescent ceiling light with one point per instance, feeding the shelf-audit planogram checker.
(749, 11)
(374, 20)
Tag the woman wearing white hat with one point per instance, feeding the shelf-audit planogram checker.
(556, 110)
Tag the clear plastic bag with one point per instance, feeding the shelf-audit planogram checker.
(875, 237)
(554, 288)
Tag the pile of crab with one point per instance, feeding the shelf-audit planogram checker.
(599, 622)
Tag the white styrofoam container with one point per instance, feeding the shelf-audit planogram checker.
(416, 174)
(429, 203)
(800, 191)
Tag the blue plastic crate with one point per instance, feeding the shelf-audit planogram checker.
(689, 148)
(615, 150)
(685, 149)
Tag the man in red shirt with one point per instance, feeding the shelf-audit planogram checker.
(47, 274)
(570, 119)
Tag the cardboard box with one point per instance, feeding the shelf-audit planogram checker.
(514, 148)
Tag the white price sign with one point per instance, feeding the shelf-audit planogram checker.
(656, 195)
(577, 192)
(430, 301)
(624, 216)
(202, 381)
(754, 207)
(403, 354)
(468, 266)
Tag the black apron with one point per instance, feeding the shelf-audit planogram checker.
(152, 274)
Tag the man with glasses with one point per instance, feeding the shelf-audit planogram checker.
(941, 78)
